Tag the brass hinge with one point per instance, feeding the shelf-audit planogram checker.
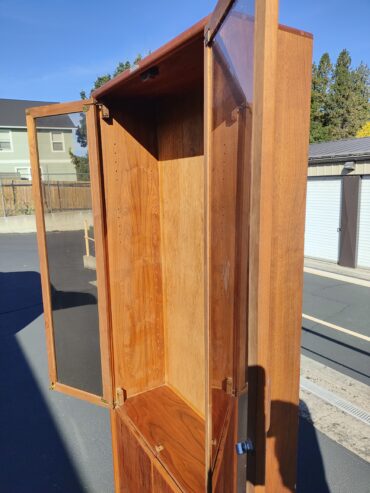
(104, 112)
(207, 36)
(121, 396)
(228, 385)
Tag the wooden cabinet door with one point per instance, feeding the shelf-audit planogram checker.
(66, 179)
(229, 90)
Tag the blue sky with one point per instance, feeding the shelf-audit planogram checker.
(53, 49)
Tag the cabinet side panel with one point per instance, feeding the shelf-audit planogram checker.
(133, 232)
(181, 171)
(289, 203)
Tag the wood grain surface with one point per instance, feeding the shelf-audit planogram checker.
(131, 181)
(224, 477)
(98, 209)
(162, 482)
(261, 225)
(289, 199)
(181, 171)
(174, 432)
(136, 469)
(41, 243)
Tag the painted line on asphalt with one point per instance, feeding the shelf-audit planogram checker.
(336, 327)
(338, 277)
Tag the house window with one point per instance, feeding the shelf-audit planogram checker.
(5, 141)
(25, 173)
(57, 141)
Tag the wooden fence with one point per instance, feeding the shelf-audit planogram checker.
(16, 196)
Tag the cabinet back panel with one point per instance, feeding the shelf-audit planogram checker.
(181, 171)
(133, 232)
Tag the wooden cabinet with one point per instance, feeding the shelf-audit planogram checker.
(185, 320)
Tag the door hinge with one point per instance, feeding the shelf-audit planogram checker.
(207, 37)
(228, 385)
(104, 112)
(121, 396)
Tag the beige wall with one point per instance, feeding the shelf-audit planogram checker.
(57, 163)
(337, 169)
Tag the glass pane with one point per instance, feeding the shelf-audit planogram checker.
(57, 136)
(232, 98)
(57, 146)
(71, 251)
(4, 145)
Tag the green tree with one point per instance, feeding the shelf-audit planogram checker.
(321, 81)
(102, 79)
(361, 96)
(121, 67)
(81, 163)
(349, 98)
(81, 133)
(339, 98)
(138, 59)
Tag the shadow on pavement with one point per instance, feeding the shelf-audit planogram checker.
(311, 471)
(308, 464)
(32, 453)
(33, 456)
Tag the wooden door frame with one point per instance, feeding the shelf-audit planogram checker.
(92, 115)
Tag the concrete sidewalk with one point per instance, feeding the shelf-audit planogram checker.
(342, 427)
(330, 267)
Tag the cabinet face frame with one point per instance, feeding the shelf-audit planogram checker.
(92, 115)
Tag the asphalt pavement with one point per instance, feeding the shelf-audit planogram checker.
(345, 305)
(50, 442)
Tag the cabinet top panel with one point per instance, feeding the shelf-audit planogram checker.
(118, 86)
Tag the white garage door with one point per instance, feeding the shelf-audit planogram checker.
(323, 218)
(363, 255)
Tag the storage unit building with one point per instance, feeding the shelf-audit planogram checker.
(338, 202)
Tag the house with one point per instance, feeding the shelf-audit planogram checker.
(338, 202)
(55, 138)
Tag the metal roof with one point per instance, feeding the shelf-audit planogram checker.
(340, 150)
(13, 114)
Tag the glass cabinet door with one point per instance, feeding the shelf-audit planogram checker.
(230, 40)
(70, 228)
